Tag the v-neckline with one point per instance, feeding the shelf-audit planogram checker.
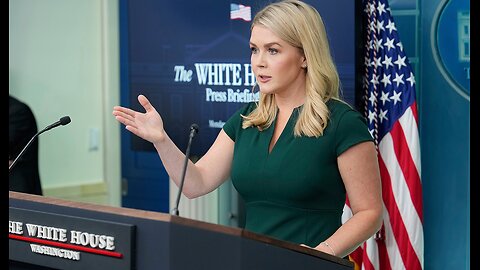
(272, 131)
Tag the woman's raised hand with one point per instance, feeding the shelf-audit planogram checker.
(147, 125)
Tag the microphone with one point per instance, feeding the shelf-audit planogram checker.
(193, 131)
(62, 122)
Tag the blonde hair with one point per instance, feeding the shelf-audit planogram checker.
(300, 25)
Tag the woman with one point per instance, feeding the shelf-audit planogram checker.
(293, 155)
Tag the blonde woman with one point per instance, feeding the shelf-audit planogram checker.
(295, 154)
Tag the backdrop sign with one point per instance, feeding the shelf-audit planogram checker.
(192, 60)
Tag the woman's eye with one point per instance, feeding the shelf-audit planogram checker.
(272, 51)
(253, 50)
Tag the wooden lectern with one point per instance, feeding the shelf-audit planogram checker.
(49, 233)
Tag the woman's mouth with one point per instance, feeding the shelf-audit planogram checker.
(264, 79)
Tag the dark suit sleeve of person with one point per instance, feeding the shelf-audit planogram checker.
(24, 176)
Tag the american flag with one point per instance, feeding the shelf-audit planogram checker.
(391, 111)
(240, 12)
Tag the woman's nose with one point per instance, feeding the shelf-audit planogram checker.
(259, 60)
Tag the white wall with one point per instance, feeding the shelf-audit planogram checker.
(63, 60)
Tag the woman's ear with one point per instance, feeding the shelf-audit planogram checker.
(304, 63)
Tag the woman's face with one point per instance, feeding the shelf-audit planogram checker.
(276, 64)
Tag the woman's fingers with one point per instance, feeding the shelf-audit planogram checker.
(145, 103)
(125, 116)
(134, 130)
(124, 121)
(124, 110)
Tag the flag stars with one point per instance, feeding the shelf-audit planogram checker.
(370, 8)
(384, 98)
(389, 44)
(370, 44)
(378, 44)
(387, 69)
(372, 26)
(372, 132)
(383, 115)
(374, 79)
(371, 116)
(367, 62)
(381, 8)
(400, 45)
(376, 62)
(386, 79)
(372, 98)
(396, 97)
(400, 62)
(398, 79)
(411, 79)
(391, 26)
(380, 26)
(387, 62)
(373, 63)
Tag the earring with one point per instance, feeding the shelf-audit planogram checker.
(254, 86)
(304, 65)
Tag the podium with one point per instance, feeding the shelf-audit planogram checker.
(50, 233)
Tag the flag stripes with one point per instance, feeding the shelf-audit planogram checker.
(391, 112)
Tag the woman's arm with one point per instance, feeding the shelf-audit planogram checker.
(202, 177)
(360, 173)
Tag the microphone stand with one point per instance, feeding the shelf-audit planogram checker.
(21, 153)
(193, 131)
(63, 121)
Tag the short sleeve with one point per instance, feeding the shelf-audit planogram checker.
(351, 130)
(234, 123)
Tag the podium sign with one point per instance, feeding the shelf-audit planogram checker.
(69, 242)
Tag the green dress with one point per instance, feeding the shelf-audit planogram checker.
(294, 193)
